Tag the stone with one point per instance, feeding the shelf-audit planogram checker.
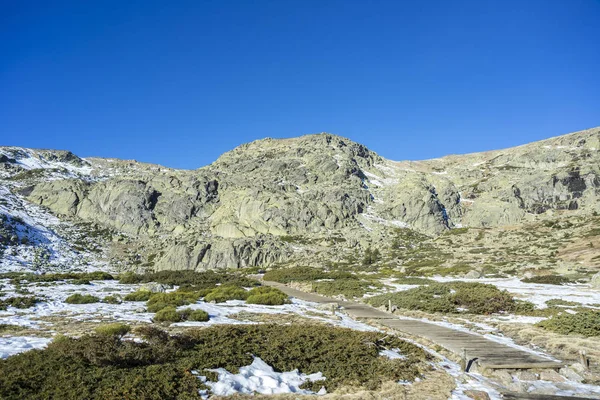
(570, 374)
(155, 287)
(526, 376)
(552, 376)
(477, 394)
(472, 274)
(595, 281)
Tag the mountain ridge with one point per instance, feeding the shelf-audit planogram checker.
(252, 205)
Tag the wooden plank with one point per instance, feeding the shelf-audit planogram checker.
(534, 365)
(529, 396)
(489, 354)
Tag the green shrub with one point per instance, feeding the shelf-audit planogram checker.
(584, 322)
(79, 298)
(19, 302)
(139, 295)
(194, 315)
(304, 274)
(168, 314)
(548, 279)
(451, 297)
(267, 295)
(114, 329)
(158, 301)
(112, 299)
(348, 287)
(224, 293)
(105, 367)
(197, 280)
(81, 276)
(412, 280)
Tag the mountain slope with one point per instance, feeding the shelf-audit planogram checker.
(316, 198)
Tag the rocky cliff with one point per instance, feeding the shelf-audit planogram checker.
(289, 200)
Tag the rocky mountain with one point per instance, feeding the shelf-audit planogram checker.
(315, 198)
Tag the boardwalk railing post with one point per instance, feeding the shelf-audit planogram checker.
(584, 360)
(390, 306)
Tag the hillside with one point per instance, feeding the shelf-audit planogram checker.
(323, 198)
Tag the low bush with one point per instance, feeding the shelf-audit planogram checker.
(168, 314)
(114, 329)
(158, 301)
(412, 280)
(19, 302)
(194, 315)
(304, 274)
(79, 298)
(268, 296)
(584, 322)
(548, 279)
(223, 293)
(451, 297)
(105, 367)
(81, 276)
(112, 299)
(348, 287)
(139, 295)
(197, 280)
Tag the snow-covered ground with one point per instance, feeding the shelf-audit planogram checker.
(10, 346)
(44, 249)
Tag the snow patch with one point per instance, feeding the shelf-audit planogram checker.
(259, 377)
(9, 346)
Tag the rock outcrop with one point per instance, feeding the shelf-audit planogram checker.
(259, 203)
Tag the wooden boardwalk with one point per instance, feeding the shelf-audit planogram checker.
(486, 353)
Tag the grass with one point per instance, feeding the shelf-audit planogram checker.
(105, 367)
(451, 297)
(78, 298)
(584, 322)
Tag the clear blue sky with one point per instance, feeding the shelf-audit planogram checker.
(180, 82)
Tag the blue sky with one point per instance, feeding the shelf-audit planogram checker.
(180, 82)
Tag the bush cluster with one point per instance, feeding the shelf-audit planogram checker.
(106, 367)
(170, 314)
(197, 280)
(222, 294)
(114, 329)
(584, 322)
(18, 302)
(304, 274)
(452, 297)
(83, 277)
(267, 296)
(138, 295)
(158, 301)
(548, 279)
(78, 298)
(348, 287)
